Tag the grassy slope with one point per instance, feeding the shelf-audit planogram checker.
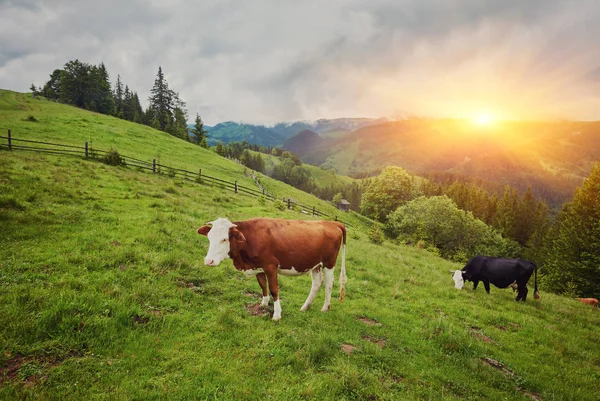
(69, 125)
(323, 178)
(103, 296)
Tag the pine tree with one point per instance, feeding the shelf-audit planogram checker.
(199, 132)
(127, 109)
(161, 101)
(118, 95)
(506, 213)
(100, 90)
(573, 263)
(221, 151)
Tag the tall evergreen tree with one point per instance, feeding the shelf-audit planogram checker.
(118, 95)
(161, 101)
(199, 132)
(100, 90)
(573, 263)
(506, 213)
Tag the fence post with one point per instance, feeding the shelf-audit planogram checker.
(9, 141)
(313, 210)
(154, 165)
(86, 150)
(335, 218)
(199, 175)
(235, 184)
(289, 204)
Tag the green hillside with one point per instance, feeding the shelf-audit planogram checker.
(58, 123)
(104, 295)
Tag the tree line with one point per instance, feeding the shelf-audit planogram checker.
(88, 87)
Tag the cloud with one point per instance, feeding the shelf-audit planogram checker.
(268, 61)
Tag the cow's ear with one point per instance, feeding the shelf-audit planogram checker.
(237, 235)
(204, 230)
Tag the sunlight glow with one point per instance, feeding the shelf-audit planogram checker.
(483, 119)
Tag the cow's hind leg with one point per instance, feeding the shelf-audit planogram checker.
(328, 278)
(315, 275)
(262, 281)
(522, 296)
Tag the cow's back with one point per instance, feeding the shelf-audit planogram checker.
(301, 244)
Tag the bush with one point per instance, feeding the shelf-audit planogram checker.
(113, 158)
(376, 235)
(31, 118)
(456, 234)
(279, 205)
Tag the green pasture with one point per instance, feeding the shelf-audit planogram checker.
(104, 296)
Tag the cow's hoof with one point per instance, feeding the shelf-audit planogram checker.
(325, 308)
(304, 308)
(276, 318)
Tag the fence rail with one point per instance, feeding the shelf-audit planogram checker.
(198, 177)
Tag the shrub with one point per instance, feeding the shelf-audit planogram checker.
(279, 205)
(437, 222)
(113, 158)
(31, 118)
(376, 235)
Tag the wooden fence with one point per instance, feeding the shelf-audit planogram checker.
(198, 177)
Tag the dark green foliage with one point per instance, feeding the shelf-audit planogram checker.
(438, 222)
(199, 132)
(113, 158)
(573, 264)
(253, 161)
(31, 118)
(376, 235)
(221, 150)
(81, 85)
(385, 193)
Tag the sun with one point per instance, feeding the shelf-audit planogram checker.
(483, 119)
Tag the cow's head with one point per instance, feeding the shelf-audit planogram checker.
(459, 281)
(219, 232)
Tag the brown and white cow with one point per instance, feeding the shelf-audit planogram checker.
(265, 247)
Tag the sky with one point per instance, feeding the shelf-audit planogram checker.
(265, 62)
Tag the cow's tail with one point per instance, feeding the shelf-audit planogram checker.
(343, 277)
(536, 294)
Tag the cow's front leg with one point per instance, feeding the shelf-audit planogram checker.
(328, 276)
(475, 284)
(486, 284)
(262, 281)
(315, 275)
(271, 272)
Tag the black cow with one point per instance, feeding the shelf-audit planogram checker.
(499, 271)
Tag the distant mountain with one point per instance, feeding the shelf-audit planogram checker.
(336, 127)
(236, 132)
(309, 146)
(552, 158)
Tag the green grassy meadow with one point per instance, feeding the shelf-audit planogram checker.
(104, 295)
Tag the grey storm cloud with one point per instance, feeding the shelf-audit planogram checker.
(269, 61)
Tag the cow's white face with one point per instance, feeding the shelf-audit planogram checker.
(459, 282)
(218, 237)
